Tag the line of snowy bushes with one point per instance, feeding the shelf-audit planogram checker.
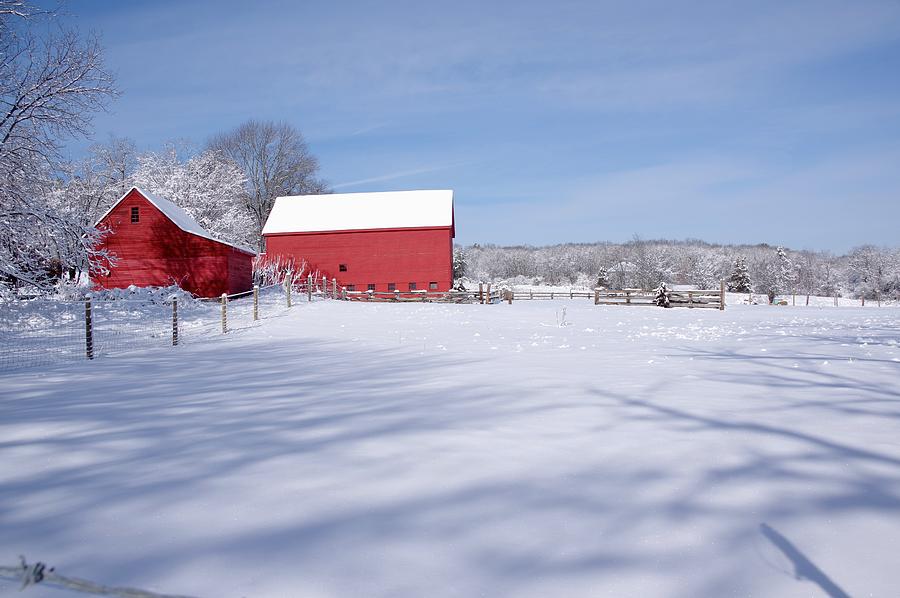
(865, 272)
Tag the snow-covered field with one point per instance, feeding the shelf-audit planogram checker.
(349, 449)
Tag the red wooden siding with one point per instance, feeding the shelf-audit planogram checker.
(376, 257)
(155, 252)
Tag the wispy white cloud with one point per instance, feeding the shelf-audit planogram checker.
(399, 175)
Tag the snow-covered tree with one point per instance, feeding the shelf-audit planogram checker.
(459, 263)
(207, 185)
(602, 277)
(50, 86)
(662, 295)
(739, 281)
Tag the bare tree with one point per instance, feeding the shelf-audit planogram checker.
(276, 161)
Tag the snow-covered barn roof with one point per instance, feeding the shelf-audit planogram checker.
(176, 214)
(361, 211)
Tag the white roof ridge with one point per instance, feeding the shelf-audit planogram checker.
(176, 214)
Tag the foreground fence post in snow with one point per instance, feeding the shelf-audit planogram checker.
(721, 295)
(88, 330)
(596, 296)
(224, 313)
(481, 292)
(255, 302)
(287, 290)
(509, 296)
(174, 321)
(334, 288)
(344, 293)
(488, 293)
(309, 283)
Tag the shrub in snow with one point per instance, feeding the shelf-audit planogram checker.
(662, 295)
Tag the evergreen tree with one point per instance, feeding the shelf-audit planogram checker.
(739, 281)
(459, 263)
(603, 278)
(662, 295)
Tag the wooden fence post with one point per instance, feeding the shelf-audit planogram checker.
(596, 296)
(509, 296)
(288, 283)
(334, 288)
(628, 297)
(224, 313)
(835, 299)
(174, 321)
(396, 294)
(88, 330)
(488, 293)
(344, 293)
(481, 293)
(309, 283)
(255, 302)
(690, 299)
(721, 295)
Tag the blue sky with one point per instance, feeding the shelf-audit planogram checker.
(760, 121)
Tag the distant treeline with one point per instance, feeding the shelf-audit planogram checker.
(866, 271)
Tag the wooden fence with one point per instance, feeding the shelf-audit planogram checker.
(700, 298)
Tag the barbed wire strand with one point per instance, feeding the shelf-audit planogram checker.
(39, 573)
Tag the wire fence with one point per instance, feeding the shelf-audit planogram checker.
(42, 332)
(39, 573)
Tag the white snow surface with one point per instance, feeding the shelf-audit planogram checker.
(360, 211)
(408, 450)
(176, 214)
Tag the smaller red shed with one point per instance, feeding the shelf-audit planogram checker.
(157, 243)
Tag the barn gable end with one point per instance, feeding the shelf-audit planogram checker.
(156, 243)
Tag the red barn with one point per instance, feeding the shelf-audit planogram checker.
(399, 240)
(156, 243)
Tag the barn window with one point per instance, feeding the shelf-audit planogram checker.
(371, 287)
(135, 215)
(392, 286)
(412, 286)
(351, 287)
(342, 267)
(432, 286)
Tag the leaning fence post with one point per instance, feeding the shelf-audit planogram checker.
(721, 295)
(255, 302)
(309, 283)
(88, 330)
(174, 321)
(224, 313)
